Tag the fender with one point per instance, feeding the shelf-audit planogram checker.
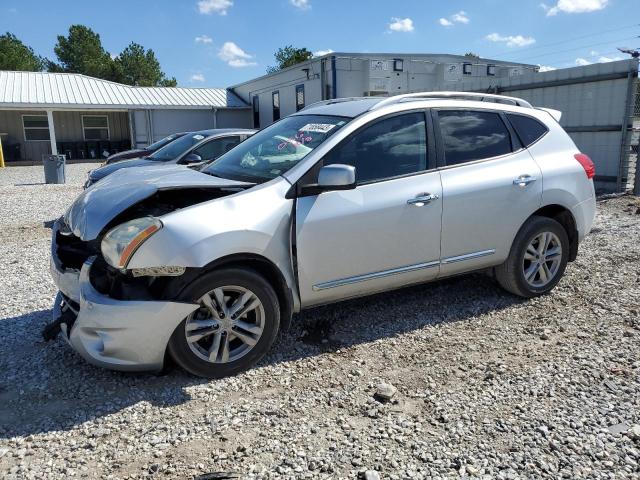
(256, 224)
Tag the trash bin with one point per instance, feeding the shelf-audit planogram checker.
(92, 150)
(81, 150)
(53, 168)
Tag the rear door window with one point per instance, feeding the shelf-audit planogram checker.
(528, 129)
(469, 135)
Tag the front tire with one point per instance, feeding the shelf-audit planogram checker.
(235, 326)
(537, 259)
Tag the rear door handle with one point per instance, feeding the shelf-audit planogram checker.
(524, 180)
(422, 200)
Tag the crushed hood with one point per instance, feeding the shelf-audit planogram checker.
(101, 203)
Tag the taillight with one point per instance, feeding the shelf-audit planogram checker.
(587, 164)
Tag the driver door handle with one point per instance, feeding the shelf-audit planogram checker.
(422, 199)
(524, 180)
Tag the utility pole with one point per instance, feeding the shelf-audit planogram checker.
(635, 97)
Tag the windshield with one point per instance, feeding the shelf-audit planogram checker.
(161, 143)
(276, 149)
(177, 147)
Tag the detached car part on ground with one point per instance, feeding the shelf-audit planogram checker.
(343, 199)
(190, 149)
(143, 152)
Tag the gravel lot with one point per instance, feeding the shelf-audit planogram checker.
(487, 385)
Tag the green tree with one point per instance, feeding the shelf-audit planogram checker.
(471, 55)
(287, 56)
(82, 52)
(15, 55)
(140, 67)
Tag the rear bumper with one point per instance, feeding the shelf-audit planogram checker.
(129, 335)
(584, 213)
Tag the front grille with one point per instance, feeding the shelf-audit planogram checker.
(72, 252)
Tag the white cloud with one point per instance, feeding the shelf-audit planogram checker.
(545, 68)
(203, 39)
(113, 55)
(460, 17)
(575, 6)
(207, 7)
(401, 25)
(197, 77)
(608, 59)
(235, 56)
(511, 40)
(581, 61)
(301, 4)
(321, 53)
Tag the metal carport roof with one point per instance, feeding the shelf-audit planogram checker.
(74, 91)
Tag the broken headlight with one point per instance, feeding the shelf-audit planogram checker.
(121, 242)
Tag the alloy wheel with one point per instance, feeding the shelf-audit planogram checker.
(542, 259)
(228, 324)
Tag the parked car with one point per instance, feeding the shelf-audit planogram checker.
(143, 152)
(191, 148)
(342, 199)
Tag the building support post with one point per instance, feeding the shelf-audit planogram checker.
(334, 78)
(52, 133)
(132, 128)
(1, 154)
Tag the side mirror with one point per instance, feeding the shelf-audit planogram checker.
(332, 177)
(192, 158)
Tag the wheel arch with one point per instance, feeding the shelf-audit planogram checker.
(258, 263)
(564, 217)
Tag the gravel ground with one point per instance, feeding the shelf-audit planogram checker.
(488, 385)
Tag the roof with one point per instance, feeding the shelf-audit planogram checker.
(219, 132)
(355, 106)
(72, 90)
(346, 107)
(426, 57)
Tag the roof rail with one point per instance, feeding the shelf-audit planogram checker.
(479, 97)
(331, 101)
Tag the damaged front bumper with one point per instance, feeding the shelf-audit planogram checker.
(117, 334)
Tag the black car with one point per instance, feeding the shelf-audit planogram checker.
(192, 148)
(144, 152)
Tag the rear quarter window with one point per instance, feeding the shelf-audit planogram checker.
(528, 129)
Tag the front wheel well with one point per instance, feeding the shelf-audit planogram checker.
(259, 264)
(565, 218)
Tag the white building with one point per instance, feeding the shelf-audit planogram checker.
(336, 75)
(84, 117)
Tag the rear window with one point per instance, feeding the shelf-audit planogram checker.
(470, 135)
(528, 129)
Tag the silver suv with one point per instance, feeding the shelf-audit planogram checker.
(343, 199)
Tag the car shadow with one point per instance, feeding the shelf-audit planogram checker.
(46, 387)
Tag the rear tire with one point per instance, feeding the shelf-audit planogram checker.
(537, 259)
(235, 326)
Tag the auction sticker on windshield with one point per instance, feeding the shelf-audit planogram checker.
(317, 127)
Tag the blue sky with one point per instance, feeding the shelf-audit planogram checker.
(223, 42)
